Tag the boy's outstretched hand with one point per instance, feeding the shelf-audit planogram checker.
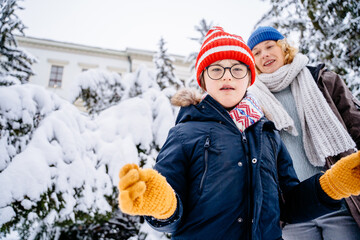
(145, 192)
(343, 179)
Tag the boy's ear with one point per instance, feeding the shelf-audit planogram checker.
(202, 81)
(249, 81)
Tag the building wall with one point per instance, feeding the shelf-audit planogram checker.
(74, 58)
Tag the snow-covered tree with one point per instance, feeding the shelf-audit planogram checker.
(51, 182)
(141, 81)
(18, 123)
(119, 227)
(327, 31)
(62, 182)
(165, 76)
(202, 29)
(15, 63)
(143, 84)
(98, 89)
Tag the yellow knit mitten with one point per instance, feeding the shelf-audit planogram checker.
(145, 192)
(343, 179)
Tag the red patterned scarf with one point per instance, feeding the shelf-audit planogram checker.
(246, 113)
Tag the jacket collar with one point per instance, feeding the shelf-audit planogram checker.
(194, 108)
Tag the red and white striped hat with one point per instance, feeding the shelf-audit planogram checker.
(219, 45)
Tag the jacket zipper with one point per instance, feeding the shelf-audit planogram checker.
(244, 140)
(249, 199)
(206, 147)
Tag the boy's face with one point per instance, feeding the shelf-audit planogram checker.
(228, 91)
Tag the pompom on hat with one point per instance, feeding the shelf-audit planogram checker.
(263, 34)
(219, 45)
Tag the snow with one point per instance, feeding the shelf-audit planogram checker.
(106, 89)
(72, 159)
(6, 215)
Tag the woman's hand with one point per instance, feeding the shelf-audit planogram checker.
(343, 179)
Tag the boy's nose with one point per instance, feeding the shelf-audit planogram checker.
(227, 74)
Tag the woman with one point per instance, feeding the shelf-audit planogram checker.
(318, 119)
(222, 167)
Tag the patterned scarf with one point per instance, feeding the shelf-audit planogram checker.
(246, 113)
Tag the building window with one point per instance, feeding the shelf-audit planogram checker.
(56, 76)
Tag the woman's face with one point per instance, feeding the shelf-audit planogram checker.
(269, 56)
(228, 91)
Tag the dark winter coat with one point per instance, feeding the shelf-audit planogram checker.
(347, 109)
(228, 182)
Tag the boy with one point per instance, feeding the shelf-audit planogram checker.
(223, 166)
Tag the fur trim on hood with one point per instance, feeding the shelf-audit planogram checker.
(186, 97)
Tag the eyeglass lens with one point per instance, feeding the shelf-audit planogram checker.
(216, 72)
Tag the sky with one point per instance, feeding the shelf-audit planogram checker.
(121, 24)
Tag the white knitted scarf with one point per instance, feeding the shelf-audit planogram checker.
(323, 134)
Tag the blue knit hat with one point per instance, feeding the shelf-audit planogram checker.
(263, 34)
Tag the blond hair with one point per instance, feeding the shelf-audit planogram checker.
(288, 50)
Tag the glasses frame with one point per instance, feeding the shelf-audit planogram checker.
(247, 67)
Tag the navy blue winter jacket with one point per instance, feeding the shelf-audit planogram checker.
(228, 183)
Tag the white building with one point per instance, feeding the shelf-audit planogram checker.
(60, 63)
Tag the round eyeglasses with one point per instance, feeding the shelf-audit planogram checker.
(216, 72)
